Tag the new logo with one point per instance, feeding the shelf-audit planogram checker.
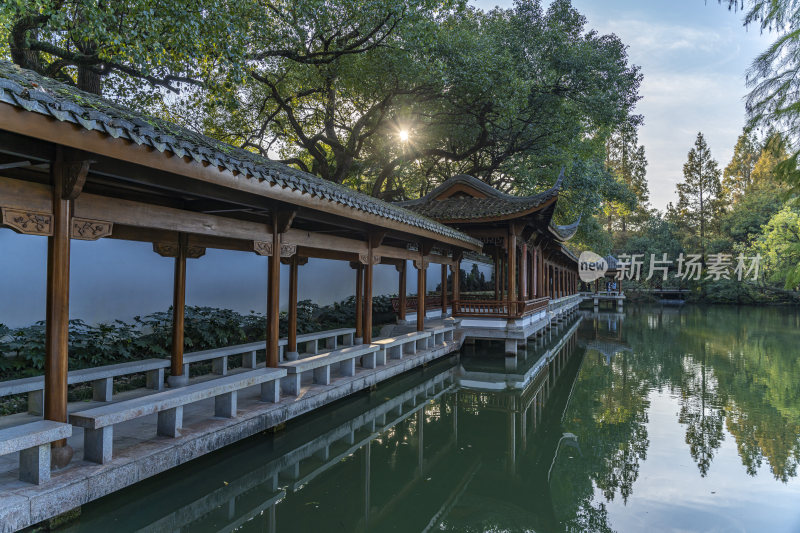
(591, 267)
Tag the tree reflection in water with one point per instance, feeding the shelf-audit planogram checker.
(557, 441)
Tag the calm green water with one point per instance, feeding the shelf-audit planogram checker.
(655, 420)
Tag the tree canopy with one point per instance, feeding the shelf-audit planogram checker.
(388, 97)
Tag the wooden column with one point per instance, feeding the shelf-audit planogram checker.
(542, 275)
(176, 378)
(512, 266)
(422, 268)
(456, 282)
(401, 291)
(444, 290)
(497, 276)
(523, 272)
(368, 297)
(273, 294)
(291, 345)
(57, 313)
(359, 302)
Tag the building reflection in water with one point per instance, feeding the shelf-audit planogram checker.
(409, 456)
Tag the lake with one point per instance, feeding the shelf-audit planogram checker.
(657, 419)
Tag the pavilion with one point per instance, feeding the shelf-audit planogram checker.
(76, 166)
(533, 269)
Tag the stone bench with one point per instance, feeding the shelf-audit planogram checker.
(396, 347)
(441, 334)
(98, 423)
(32, 441)
(320, 365)
(101, 378)
(329, 338)
(219, 357)
(310, 341)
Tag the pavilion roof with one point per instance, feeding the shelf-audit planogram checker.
(449, 203)
(32, 92)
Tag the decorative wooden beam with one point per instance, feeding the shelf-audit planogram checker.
(28, 222)
(34, 198)
(174, 249)
(90, 230)
(94, 142)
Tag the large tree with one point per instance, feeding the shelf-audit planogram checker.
(625, 159)
(699, 193)
(737, 176)
(509, 96)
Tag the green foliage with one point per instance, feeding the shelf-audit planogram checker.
(743, 222)
(22, 350)
(779, 245)
(86, 43)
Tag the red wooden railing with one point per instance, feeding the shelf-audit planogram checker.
(499, 309)
(431, 302)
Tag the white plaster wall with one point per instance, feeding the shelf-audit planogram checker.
(113, 279)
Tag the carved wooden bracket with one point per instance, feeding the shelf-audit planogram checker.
(262, 248)
(90, 230)
(170, 249)
(421, 264)
(400, 266)
(288, 250)
(265, 248)
(364, 259)
(28, 222)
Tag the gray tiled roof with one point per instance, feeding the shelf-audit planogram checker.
(30, 91)
(496, 203)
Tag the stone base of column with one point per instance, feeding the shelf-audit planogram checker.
(358, 340)
(176, 382)
(292, 356)
(60, 456)
(511, 347)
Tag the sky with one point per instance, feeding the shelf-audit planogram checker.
(694, 55)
